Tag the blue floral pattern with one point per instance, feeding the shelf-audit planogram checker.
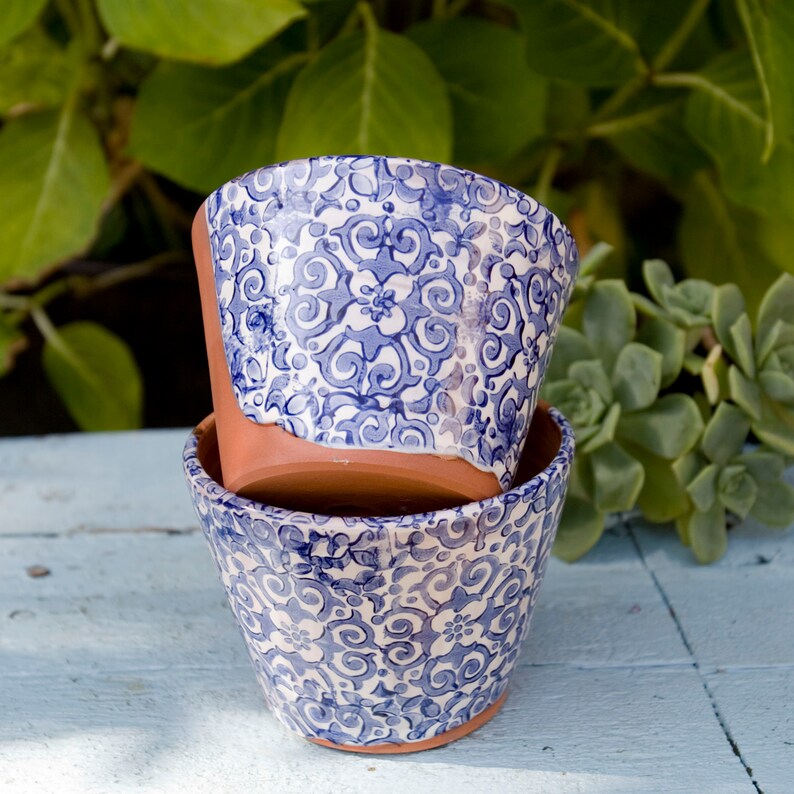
(369, 631)
(388, 303)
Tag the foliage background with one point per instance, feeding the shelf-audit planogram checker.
(664, 129)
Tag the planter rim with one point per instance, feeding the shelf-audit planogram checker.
(202, 483)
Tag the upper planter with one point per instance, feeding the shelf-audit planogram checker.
(378, 303)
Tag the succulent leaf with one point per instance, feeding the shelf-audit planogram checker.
(581, 525)
(669, 428)
(662, 497)
(605, 433)
(776, 306)
(762, 465)
(774, 505)
(668, 340)
(778, 385)
(714, 375)
(742, 340)
(737, 489)
(617, 478)
(609, 319)
(708, 534)
(744, 392)
(591, 375)
(727, 307)
(703, 489)
(725, 433)
(637, 376)
(657, 275)
(570, 346)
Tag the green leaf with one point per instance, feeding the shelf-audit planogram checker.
(763, 466)
(714, 375)
(201, 139)
(604, 434)
(742, 340)
(652, 137)
(776, 306)
(498, 104)
(669, 428)
(591, 375)
(569, 346)
(204, 31)
(707, 534)
(609, 319)
(617, 478)
(595, 259)
(737, 490)
(669, 341)
(54, 180)
(770, 32)
(581, 526)
(725, 114)
(725, 433)
(16, 16)
(778, 386)
(775, 428)
(744, 392)
(727, 308)
(774, 505)
(95, 375)
(702, 489)
(34, 72)
(657, 275)
(637, 376)
(368, 93)
(721, 242)
(662, 497)
(586, 41)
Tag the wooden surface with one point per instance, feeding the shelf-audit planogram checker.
(122, 669)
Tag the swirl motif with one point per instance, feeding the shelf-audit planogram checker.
(388, 303)
(382, 630)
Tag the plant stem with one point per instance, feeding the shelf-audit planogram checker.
(680, 80)
(679, 36)
(92, 33)
(367, 15)
(129, 272)
(547, 171)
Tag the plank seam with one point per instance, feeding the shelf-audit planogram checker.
(695, 663)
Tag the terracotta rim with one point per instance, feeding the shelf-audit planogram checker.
(425, 744)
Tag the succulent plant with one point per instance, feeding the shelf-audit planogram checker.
(608, 384)
(720, 478)
(760, 366)
(649, 435)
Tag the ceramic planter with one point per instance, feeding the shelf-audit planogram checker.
(370, 305)
(386, 634)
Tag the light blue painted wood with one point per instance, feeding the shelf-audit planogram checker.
(123, 670)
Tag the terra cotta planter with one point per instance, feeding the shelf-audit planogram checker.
(386, 634)
(377, 318)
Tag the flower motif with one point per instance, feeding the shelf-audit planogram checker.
(458, 622)
(296, 631)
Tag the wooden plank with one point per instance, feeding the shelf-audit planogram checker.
(758, 709)
(107, 481)
(561, 730)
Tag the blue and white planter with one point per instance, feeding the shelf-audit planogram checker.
(384, 632)
(389, 304)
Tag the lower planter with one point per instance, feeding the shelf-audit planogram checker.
(389, 634)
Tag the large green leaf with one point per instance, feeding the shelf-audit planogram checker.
(770, 32)
(204, 138)
(373, 92)
(725, 433)
(650, 134)
(662, 498)
(721, 242)
(203, 31)
(16, 15)
(725, 113)
(54, 180)
(34, 71)
(498, 104)
(637, 376)
(586, 41)
(95, 375)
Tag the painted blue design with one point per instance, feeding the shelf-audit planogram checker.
(383, 630)
(377, 302)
